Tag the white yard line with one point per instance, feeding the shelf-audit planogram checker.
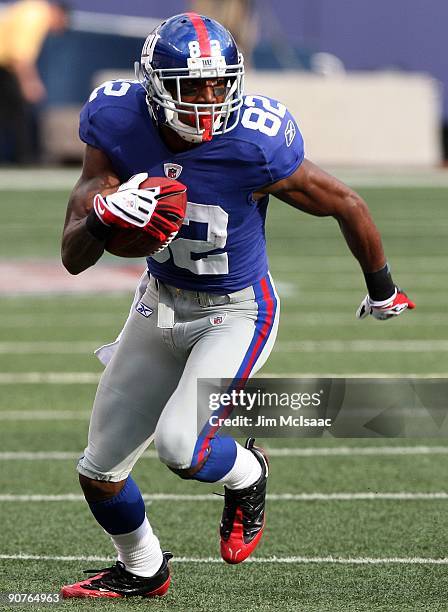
(341, 451)
(336, 451)
(83, 415)
(304, 319)
(313, 375)
(44, 415)
(82, 378)
(289, 560)
(66, 347)
(70, 347)
(338, 262)
(52, 378)
(30, 321)
(284, 497)
(308, 319)
(362, 346)
(347, 300)
(49, 179)
(40, 456)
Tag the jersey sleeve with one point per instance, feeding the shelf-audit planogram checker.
(276, 144)
(87, 131)
(98, 123)
(285, 152)
(107, 116)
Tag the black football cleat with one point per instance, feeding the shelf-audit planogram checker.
(243, 517)
(115, 581)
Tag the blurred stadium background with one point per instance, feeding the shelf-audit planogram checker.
(383, 65)
(353, 524)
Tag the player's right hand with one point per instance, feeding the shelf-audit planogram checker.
(129, 207)
(394, 306)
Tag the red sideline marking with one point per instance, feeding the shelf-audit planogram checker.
(40, 276)
(201, 31)
(262, 335)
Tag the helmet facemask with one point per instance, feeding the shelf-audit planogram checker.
(194, 122)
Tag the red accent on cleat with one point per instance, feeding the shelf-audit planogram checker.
(115, 582)
(76, 590)
(243, 517)
(235, 550)
(161, 590)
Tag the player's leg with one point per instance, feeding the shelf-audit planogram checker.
(135, 386)
(234, 349)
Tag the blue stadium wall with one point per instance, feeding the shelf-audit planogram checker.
(69, 62)
(408, 35)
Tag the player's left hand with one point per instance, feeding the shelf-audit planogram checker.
(129, 206)
(387, 309)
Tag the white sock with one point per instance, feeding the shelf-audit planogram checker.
(139, 550)
(245, 471)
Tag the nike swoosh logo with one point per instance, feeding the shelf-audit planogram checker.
(101, 210)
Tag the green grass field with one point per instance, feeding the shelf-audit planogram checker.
(329, 544)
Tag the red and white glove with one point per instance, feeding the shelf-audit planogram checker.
(129, 207)
(386, 309)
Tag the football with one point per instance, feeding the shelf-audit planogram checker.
(171, 207)
(131, 243)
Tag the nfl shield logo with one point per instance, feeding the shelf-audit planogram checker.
(172, 171)
(217, 319)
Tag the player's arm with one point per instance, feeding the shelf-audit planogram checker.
(80, 248)
(99, 205)
(313, 191)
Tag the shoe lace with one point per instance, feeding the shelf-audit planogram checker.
(251, 503)
(110, 576)
(117, 579)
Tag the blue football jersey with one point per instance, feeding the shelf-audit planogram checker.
(221, 247)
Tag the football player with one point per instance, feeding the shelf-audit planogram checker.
(207, 307)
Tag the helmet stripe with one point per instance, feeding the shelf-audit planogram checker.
(202, 34)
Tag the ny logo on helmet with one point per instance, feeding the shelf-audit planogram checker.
(172, 171)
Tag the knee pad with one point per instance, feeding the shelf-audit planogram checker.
(216, 463)
(219, 460)
(204, 459)
(175, 448)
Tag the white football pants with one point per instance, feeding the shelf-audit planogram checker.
(148, 390)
